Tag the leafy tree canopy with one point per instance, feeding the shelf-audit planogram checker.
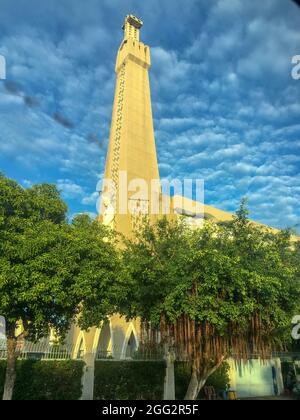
(228, 288)
(52, 273)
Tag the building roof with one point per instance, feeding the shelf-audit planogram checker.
(196, 210)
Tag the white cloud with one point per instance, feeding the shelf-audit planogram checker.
(69, 189)
(91, 199)
(27, 183)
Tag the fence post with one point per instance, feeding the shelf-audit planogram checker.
(88, 377)
(169, 386)
(279, 376)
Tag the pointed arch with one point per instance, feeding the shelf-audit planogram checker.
(80, 347)
(131, 342)
(103, 341)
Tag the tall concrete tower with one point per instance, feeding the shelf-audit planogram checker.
(131, 160)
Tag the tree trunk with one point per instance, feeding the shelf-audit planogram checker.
(192, 391)
(169, 386)
(10, 376)
(170, 357)
(197, 383)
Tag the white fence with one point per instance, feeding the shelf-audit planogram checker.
(40, 351)
(43, 350)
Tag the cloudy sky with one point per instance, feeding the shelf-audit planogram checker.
(225, 106)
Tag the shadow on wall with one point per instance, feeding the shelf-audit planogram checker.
(105, 347)
(254, 379)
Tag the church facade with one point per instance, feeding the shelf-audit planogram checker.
(131, 166)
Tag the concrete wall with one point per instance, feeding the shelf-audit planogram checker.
(256, 378)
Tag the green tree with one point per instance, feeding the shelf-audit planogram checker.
(51, 272)
(225, 289)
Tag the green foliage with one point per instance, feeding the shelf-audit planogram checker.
(156, 263)
(100, 280)
(129, 380)
(235, 270)
(42, 380)
(219, 379)
(51, 270)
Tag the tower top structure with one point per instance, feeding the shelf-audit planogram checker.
(131, 163)
(131, 27)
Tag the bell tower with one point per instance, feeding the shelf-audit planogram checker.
(131, 28)
(131, 159)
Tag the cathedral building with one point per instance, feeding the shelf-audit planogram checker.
(132, 188)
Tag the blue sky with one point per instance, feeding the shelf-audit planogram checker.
(225, 106)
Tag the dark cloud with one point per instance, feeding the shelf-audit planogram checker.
(31, 101)
(13, 87)
(62, 120)
(94, 139)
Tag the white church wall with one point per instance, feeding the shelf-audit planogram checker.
(257, 379)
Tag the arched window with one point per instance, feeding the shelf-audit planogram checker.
(132, 346)
(104, 349)
(81, 349)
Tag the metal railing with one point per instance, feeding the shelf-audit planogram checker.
(43, 350)
(133, 355)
